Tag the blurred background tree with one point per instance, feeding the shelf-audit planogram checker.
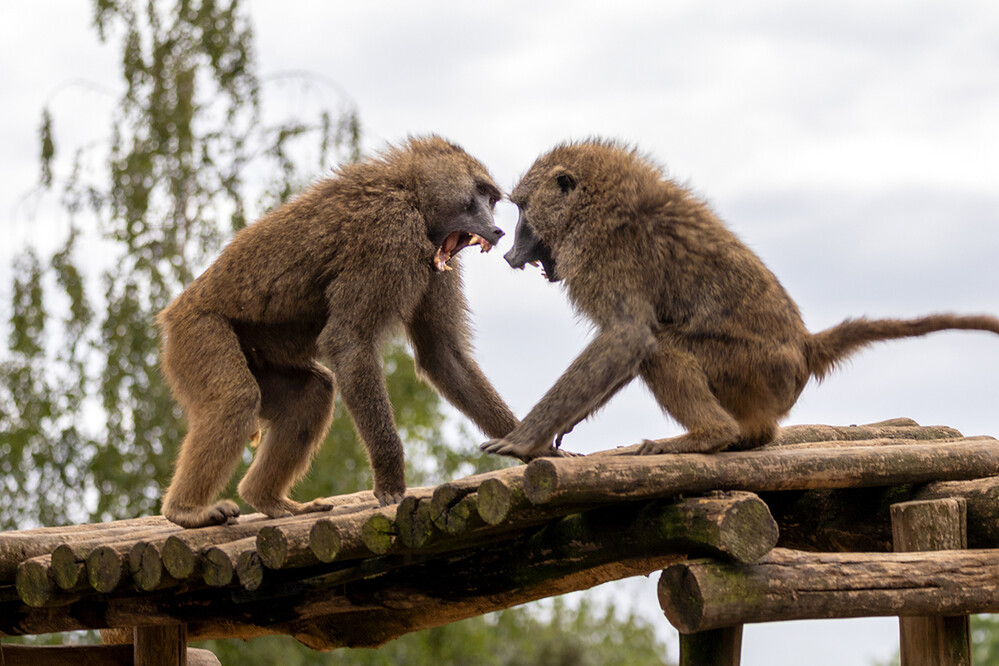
(88, 430)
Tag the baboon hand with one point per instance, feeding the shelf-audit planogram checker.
(392, 494)
(524, 452)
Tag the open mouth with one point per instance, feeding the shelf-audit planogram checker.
(455, 243)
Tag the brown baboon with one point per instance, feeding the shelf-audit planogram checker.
(677, 299)
(327, 275)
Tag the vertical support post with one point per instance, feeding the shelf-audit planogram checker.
(161, 645)
(932, 525)
(715, 647)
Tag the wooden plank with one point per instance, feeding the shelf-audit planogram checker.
(160, 645)
(926, 526)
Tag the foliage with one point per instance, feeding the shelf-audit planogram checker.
(582, 636)
(87, 427)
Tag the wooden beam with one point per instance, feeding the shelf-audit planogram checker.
(703, 594)
(715, 647)
(586, 480)
(928, 526)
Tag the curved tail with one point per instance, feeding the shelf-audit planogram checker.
(827, 348)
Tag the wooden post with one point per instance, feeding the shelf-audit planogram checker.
(161, 645)
(715, 647)
(932, 525)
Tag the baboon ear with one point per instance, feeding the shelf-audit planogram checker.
(566, 182)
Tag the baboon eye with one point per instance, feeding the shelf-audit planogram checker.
(566, 183)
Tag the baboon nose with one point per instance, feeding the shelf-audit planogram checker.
(513, 260)
(497, 233)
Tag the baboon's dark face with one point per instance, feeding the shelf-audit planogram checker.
(464, 221)
(544, 197)
(529, 249)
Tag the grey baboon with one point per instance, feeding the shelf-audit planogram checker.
(677, 299)
(327, 275)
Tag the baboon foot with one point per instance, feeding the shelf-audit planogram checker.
(284, 507)
(225, 511)
(385, 498)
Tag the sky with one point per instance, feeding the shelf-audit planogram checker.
(853, 145)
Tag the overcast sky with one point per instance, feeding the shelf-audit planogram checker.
(853, 145)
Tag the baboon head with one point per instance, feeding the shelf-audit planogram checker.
(567, 190)
(455, 195)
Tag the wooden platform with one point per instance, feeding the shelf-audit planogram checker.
(761, 535)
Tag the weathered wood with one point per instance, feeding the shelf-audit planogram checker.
(372, 600)
(281, 546)
(463, 516)
(220, 562)
(448, 494)
(108, 566)
(615, 478)
(36, 585)
(716, 647)
(339, 537)
(790, 585)
(160, 645)
(249, 569)
(15, 547)
(412, 520)
(892, 429)
(379, 533)
(87, 655)
(925, 526)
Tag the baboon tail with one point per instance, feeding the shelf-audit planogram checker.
(827, 348)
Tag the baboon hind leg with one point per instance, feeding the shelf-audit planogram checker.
(297, 410)
(681, 387)
(222, 402)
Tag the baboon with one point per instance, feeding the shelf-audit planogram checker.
(328, 275)
(677, 299)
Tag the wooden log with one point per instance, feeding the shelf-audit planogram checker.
(379, 598)
(36, 585)
(281, 546)
(87, 655)
(892, 429)
(586, 480)
(716, 647)
(145, 561)
(250, 569)
(221, 562)
(108, 566)
(412, 520)
(339, 537)
(448, 494)
(464, 517)
(379, 533)
(922, 526)
(791, 585)
(15, 547)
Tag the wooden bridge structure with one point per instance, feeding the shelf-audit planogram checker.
(887, 519)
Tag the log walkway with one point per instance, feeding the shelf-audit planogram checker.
(802, 528)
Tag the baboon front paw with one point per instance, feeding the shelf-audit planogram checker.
(681, 444)
(523, 452)
(223, 512)
(317, 505)
(385, 498)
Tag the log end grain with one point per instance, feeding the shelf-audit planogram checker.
(324, 540)
(106, 568)
(217, 567)
(67, 569)
(272, 546)
(495, 501)
(34, 582)
(681, 598)
(146, 565)
(413, 521)
(250, 570)
(379, 533)
(540, 480)
(179, 558)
